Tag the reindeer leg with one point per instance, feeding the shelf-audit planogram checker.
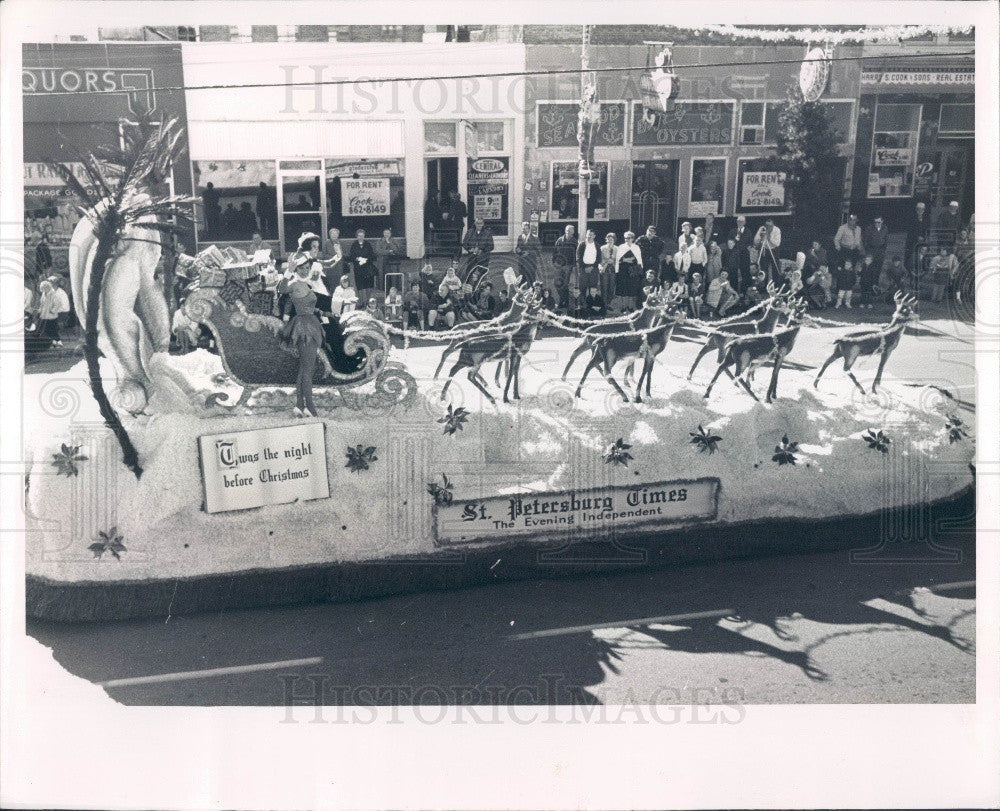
(459, 365)
(850, 374)
(444, 355)
(511, 377)
(517, 376)
(772, 389)
(572, 358)
(647, 369)
(723, 367)
(878, 374)
(649, 377)
(592, 364)
(704, 351)
(614, 383)
(475, 379)
(829, 360)
(743, 382)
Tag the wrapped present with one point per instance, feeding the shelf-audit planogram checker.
(211, 257)
(234, 256)
(212, 277)
(241, 271)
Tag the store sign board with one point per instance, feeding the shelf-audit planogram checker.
(557, 124)
(248, 469)
(604, 510)
(487, 206)
(362, 168)
(488, 181)
(762, 190)
(43, 175)
(136, 82)
(893, 156)
(875, 77)
(685, 123)
(364, 197)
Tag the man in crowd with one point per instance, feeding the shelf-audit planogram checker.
(267, 208)
(564, 258)
(918, 229)
(479, 243)
(485, 305)
(415, 306)
(948, 224)
(388, 255)
(457, 212)
(769, 236)
(849, 241)
(742, 239)
(652, 248)
(875, 239)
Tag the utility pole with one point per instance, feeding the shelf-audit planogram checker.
(585, 129)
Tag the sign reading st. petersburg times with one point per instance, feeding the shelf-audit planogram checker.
(271, 466)
(618, 509)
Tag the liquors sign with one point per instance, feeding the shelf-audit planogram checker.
(610, 509)
(271, 466)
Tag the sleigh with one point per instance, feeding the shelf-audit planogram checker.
(255, 358)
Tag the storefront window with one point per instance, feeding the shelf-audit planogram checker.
(708, 181)
(894, 150)
(236, 198)
(365, 195)
(488, 182)
(957, 120)
(489, 136)
(440, 136)
(565, 186)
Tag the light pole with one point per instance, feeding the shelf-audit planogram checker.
(588, 118)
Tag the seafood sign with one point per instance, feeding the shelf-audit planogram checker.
(249, 469)
(576, 512)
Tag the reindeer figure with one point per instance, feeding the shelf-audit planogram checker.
(647, 344)
(510, 346)
(881, 341)
(500, 324)
(749, 351)
(641, 319)
(766, 321)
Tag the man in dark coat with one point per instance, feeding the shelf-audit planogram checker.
(743, 238)
(949, 223)
(652, 248)
(563, 259)
(875, 239)
(479, 243)
(918, 229)
(457, 212)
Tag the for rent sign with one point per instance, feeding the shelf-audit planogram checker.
(365, 197)
(270, 466)
(648, 506)
(762, 190)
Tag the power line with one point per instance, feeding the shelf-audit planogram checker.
(504, 75)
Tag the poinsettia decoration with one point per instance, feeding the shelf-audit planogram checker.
(441, 492)
(360, 458)
(877, 440)
(454, 420)
(67, 459)
(784, 454)
(956, 429)
(705, 440)
(618, 453)
(110, 541)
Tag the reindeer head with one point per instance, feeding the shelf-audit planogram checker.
(906, 307)
(670, 303)
(796, 308)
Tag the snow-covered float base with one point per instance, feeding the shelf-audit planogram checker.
(547, 443)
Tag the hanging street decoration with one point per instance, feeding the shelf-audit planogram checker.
(879, 34)
(814, 73)
(659, 86)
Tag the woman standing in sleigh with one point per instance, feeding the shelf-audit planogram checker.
(304, 333)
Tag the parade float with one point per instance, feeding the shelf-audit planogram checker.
(161, 484)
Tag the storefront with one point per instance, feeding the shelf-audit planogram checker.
(64, 122)
(284, 159)
(916, 141)
(701, 158)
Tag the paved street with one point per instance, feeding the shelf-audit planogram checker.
(810, 628)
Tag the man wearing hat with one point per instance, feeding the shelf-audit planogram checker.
(948, 224)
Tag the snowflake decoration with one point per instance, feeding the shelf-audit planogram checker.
(705, 440)
(360, 458)
(441, 492)
(784, 454)
(454, 420)
(877, 441)
(109, 541)
(66, 460)
(618, 453)
(956, 429)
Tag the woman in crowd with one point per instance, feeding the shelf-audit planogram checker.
(304, 333)
(608, 265)
(846, 279)
(628, 272)
(713, 266)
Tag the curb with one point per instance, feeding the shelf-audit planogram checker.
(456, 568)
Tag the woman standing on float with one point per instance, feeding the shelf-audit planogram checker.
(304, 333)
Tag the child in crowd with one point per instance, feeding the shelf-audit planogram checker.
(695, 295)
(415, 307)
(846, 280)
(940, 274)
(594, 304)
(867, 279)
(393, 305)
(374, 310)
(344, 298)
(721, 295)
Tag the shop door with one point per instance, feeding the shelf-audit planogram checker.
(301, 200)
(442, 180)
(654, 197)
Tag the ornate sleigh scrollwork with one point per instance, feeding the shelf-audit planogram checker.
(254, 357)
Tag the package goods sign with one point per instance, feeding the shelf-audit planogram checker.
(364, 197)
(270, 466)
(893, 156)
(763, 190)
(601, 510)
